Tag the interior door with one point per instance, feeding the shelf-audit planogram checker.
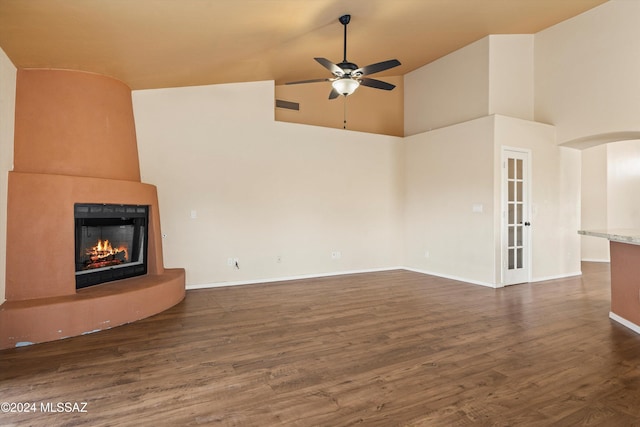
(516, 224)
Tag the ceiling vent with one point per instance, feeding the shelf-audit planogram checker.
(287, 105)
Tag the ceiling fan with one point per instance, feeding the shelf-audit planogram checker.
(347, 76)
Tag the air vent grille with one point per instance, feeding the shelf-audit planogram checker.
(287, 105)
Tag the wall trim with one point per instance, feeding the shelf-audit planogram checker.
(624, 322)
(595, 260)
(451, 277)
(559, 276)
(287, 278)
(370, 270)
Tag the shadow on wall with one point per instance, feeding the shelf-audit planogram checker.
(603, 138)
(367, 110)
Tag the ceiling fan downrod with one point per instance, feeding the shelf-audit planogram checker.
(344, 20)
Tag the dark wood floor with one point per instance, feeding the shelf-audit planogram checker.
(382, 349)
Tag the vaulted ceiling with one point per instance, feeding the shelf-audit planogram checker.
(171, 43)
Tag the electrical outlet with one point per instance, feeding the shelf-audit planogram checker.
(336, 255)
(279, 259)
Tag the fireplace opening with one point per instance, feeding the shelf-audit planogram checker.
(110, 242)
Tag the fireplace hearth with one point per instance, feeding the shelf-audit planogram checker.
(110, 242)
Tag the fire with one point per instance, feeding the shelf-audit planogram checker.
(103, 254)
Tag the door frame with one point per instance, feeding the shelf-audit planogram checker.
(527, 230)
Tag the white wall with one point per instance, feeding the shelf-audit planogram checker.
(586, 72)
(448, 171)
(453, 89)
(263, 189)
(7, 116)
(594, 203)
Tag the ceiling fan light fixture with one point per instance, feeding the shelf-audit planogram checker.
(345, 85)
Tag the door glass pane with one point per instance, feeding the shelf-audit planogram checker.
(519, 168)
(511, 259)
(510, 169)
(519, 240)
(519, 213)
(520, 258)
(511, 190)
(519, 191)
(511, 235)
(512, 219)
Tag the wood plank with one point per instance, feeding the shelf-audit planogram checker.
(376, 349)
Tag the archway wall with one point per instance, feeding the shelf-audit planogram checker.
(586, 75)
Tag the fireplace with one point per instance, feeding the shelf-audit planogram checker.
(57, 112)
(110, 242)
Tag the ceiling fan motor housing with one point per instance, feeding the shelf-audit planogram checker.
(347, 67)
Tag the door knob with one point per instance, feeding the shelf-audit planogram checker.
(527, 224)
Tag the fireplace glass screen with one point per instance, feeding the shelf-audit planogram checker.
(111, 242)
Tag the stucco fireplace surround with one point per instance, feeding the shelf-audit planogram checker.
(75, 144)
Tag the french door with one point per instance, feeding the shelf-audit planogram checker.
(516, 225)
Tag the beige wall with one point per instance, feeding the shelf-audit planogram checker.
(586, 83)
(453, 89)
(586, 72)
(262, 189)
(451, 170)
(492, 79)
(511, 75)
(7, 112)
(448, 171)
(491, 76)
(555, 196)
(623, 184)
(594, 202)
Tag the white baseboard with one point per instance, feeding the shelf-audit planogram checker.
(447, 276)
(286, 278)
(594, 260)
(559, 276)
(624, 322)
(372, 270)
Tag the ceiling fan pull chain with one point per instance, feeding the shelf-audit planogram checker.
(344, 126)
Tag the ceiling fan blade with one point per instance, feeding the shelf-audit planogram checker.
(307, 81)
(376, 68)
(377, 84)
(330, 66)
(334, 94)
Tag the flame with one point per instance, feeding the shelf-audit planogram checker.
(104, 250)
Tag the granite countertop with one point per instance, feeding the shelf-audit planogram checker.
(629, 235)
